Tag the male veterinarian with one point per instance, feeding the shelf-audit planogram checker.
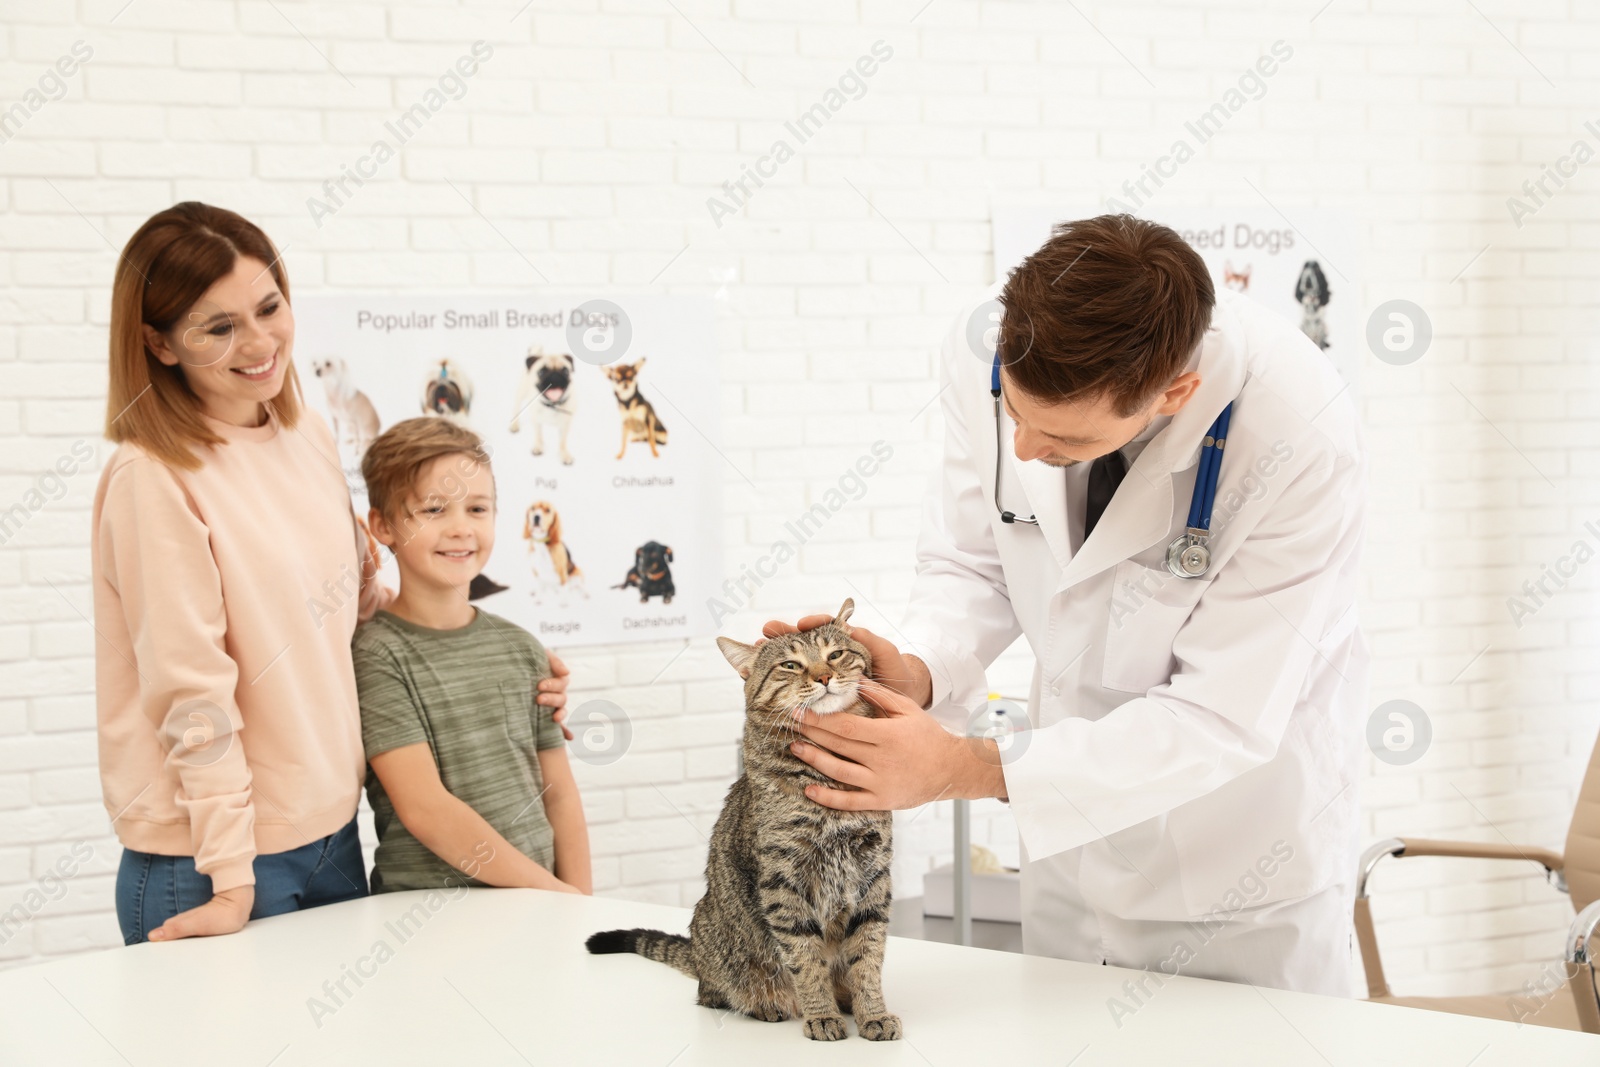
(1186, 794)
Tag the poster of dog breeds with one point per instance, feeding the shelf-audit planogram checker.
(1305, 267)
(607, 529)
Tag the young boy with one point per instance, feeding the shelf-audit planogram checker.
(469, 779)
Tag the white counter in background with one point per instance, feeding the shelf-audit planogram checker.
(501, 977)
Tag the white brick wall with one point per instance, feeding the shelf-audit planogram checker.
(592, 139)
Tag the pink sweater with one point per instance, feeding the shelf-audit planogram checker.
(224, 601)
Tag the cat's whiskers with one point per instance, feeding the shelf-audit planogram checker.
(872, 685)
(780, 722)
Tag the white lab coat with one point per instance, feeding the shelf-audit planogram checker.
(1182, 730)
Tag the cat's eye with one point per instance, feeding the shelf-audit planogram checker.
(835, 655)
(790, 664)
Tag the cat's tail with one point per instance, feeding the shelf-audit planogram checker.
(671, 949)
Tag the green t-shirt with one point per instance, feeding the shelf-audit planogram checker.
(468, 693)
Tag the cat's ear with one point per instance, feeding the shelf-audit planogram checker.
(845, 611)
(743, 657)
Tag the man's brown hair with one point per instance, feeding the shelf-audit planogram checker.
(394, 461)
(1111, 306)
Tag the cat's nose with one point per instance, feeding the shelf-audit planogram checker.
(825, 678)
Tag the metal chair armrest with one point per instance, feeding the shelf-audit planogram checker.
(1366, 934)
(1391, 846)
(1553, 862)
(1583, 956)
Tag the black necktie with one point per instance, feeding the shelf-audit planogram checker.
(1105, 474)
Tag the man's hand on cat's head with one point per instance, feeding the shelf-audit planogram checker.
(900, 671)
(902, 760)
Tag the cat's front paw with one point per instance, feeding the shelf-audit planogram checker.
(883, 1028)
(826, 1028)
(768, 1013)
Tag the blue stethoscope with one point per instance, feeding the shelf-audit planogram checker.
(1189, 554)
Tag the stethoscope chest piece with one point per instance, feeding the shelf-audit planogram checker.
(1188, 556)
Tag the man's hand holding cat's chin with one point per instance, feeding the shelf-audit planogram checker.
(903, 760)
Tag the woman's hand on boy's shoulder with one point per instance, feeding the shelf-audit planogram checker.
(552, 692)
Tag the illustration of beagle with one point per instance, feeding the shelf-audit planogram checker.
(554, 569)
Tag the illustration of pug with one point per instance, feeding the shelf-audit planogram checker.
(447, 392)
(545, 396)
(554, 570)
(639, 421)
(355, 420)
(650, 573)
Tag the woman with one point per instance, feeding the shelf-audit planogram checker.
(229, 574)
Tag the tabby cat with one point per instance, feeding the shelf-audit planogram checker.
(796, 910)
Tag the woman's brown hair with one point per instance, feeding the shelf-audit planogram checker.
(167, 266)
(1111, 306)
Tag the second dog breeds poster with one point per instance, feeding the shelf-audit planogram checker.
(608, 525)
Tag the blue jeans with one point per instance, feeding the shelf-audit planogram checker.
(152, 889)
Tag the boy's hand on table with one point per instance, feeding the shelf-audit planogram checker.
(224, 913)
(552, 692)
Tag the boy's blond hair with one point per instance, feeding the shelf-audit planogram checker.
(395, 460)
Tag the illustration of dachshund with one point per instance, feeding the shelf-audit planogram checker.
(650, 573)
(447, 392)
(552, 564)
(639, 422)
